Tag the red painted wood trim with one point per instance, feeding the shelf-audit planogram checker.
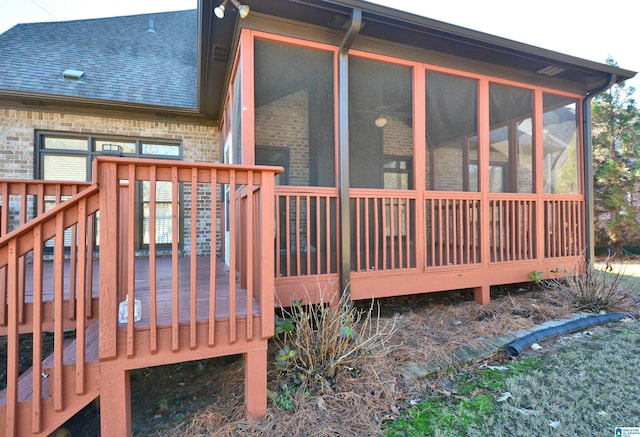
(108, 181)
(36, 399)
(81, 296)
(175, 301)
(194, 259)
(153, 301)
(213, 268)
(12, 342)
(58, 329)
(129, 223)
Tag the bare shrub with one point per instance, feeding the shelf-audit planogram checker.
(594, 290)
(318, 342)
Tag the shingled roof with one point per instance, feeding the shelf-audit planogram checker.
(148, 59)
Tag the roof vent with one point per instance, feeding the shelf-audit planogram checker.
(152, 28)
(551, 70)
(73, 74)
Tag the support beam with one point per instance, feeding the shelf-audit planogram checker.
(255, 383)
(115, 403)
(482, 294)
(343, 141)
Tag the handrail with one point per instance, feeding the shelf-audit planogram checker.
(20, 201)
(30, 239)
(38, 190)
(67, 208)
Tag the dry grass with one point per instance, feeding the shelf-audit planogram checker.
(596, 289)
(587, 389)
(428, 329)
(432, 333)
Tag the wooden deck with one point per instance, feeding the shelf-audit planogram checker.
(164, 289)
(191, 306)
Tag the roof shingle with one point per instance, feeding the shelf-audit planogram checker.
(122, 59)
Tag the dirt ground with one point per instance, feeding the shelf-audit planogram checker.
(178, 399)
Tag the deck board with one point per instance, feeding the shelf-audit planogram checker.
(164, 291)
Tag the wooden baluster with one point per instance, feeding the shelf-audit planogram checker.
(36, 398)
(193, 307)
(130, 224)
(81, 316)
(153, 298)
(175, 285)
(233, 261)
(58, 323)
(213, 263)
(251, 252)
(73, 264)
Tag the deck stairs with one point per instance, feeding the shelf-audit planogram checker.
(73, 402)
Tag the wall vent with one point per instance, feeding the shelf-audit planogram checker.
(551, 70)
(220, 54)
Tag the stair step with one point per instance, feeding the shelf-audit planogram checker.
(25, 385)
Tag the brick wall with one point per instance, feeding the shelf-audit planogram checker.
(448, 170)
(285, 123)
(398, 138)
(17, 147)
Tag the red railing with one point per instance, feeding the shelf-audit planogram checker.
(194, 290)
(20, 202)
(564, 226)
(383, 229)
(48, 299)
(307, 231)
(512, 227)
(452, 229)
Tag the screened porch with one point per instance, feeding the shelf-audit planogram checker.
(453, 179)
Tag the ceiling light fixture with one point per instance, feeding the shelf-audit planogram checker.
(243, 10)
(381, 121)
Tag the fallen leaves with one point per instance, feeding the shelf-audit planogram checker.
(504, 396)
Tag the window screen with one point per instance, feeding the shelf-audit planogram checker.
(294, 98)
(452, 132)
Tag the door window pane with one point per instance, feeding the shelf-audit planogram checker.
(65, 143)
(164, 220)
(65, 168)
(160, 149)
(113, 145)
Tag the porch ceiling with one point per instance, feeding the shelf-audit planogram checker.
(382, 23)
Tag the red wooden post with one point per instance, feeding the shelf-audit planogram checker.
(265, 255)
(115, 403)
(11, 412)
(482, 293)
(108, 181)
(255, 383)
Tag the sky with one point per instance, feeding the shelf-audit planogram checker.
(587, 29)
